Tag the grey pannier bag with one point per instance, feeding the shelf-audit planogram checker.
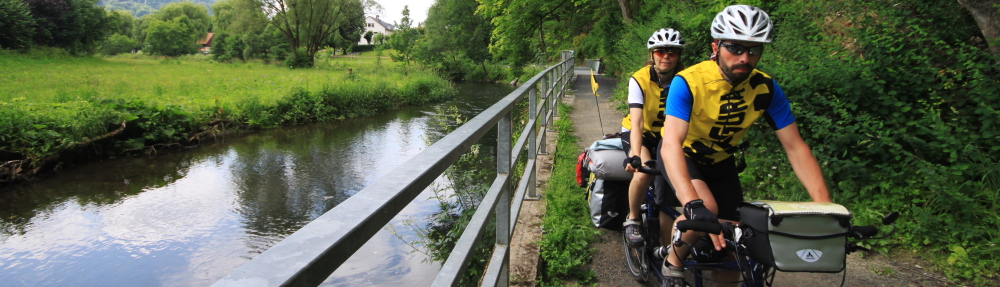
(606, 158)
(796, 236)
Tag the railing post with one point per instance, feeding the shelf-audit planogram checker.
(532, 146)
(553, 103)
(545, 111)
(503, 203)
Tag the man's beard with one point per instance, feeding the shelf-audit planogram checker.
(736, 78)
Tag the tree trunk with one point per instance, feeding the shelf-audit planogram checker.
(541, 41)
(485, 72)
(626, 11)
(987, 15)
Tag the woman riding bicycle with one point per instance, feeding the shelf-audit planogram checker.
(709, 108)
(641, 128)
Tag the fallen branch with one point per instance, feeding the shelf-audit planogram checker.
(107, 135)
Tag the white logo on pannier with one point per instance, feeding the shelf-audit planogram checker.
(809, 255)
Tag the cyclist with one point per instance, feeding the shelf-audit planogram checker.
(641, 127)
(709, 108)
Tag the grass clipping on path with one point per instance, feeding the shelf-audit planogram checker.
(567, 227)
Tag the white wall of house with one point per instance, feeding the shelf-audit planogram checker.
(376, 25)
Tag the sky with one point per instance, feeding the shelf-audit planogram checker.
(393, 12)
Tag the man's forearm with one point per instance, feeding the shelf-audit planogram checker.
(678, 174)
(807, 169)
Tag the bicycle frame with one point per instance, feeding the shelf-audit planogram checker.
(756, 271)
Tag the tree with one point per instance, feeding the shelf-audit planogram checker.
(117, 44)
(527, 30)
(520, 26)
(17, 24)
(379, 42)
(197, 16)
(309, 24)
(171, 38)
(124, 22)
(455, 33)
(403, 38)
(368, 37)
(629, 9)
(987, 15)
(74, 25)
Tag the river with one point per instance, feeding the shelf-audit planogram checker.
(189, 218)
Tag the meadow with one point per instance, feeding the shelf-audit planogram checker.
(188, 81)
(56, 108)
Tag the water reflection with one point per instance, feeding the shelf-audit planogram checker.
(190, 218)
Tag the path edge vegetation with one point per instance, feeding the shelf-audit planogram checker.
(897, 100)
(567, 232)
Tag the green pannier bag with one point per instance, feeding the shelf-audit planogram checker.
(796, 236)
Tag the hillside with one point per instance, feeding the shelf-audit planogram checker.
(143, 7)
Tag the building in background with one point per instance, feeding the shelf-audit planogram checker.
(377, 26)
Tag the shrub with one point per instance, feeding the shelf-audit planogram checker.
(117, 44)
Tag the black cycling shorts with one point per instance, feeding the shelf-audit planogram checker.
(649, 140)
(722, 180)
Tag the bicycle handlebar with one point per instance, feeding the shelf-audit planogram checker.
(696, 225)
(648, 168)
(863, 231)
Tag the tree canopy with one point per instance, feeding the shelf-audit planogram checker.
(311, 24)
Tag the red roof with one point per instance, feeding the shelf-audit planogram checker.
(207, 42)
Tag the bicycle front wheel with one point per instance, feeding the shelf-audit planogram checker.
(636, 259)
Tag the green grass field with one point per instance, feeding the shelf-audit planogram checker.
(168, 81)
(53, 105)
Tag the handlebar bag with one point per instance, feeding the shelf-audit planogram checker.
(796, 236)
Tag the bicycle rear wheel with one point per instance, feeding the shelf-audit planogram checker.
(636, 259)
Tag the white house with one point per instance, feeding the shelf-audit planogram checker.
(377, 26)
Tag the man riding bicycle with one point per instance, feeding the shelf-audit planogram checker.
(709, 108)
(641, 127)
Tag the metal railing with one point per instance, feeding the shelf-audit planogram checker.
(308, 256)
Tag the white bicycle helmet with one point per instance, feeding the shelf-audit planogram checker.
(665, 38)
(742, 23)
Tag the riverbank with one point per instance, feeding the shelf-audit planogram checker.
(57, 110)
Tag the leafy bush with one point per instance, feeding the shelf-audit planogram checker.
(17, 24)
(298, 59)
(171, 38)
(117, 44)
(897, 100)
(902, 114)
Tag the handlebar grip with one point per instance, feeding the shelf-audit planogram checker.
(697, 225)
(864, 231)
(648, 170)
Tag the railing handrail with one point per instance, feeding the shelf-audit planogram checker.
(308, 256)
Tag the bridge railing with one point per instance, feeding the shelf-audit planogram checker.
(308, 256)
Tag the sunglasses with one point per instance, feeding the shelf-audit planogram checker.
(663, 52)
(738, 49)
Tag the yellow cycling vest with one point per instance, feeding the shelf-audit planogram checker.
(653, 101)
(720, 113)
